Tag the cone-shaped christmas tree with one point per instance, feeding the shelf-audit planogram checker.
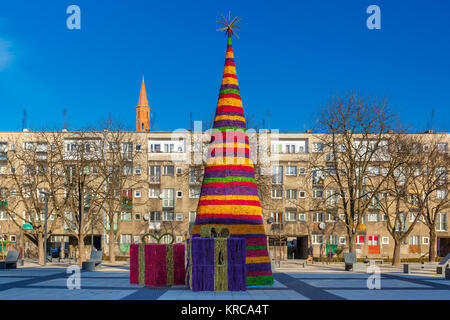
(229, 195)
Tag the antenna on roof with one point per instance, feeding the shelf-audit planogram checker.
(24, 119)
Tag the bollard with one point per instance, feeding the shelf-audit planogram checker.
(406, 268)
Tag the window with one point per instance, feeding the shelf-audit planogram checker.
(342, 217)
(194, 193)
(291, 216)
(372, 217)
(3, 215)
(137, 193)
(332, 198)
(317, 147)
(153, 193)
(425, 240)
(138, 147)
(137, 216)
(342, 240)
(317, 193)
(414, 240)
(277, 174)
(318, 176)
(137, 170)
(441, 194)
(277, 193)
(195, 175)
(12, 238)
(155, 174)
(441, 222)
(442, 147)
(302, 217)
(277, 217)
(412, 216)
(291, 171)
(291, 194)
(179, 170)
(360, 239)
(333, 239)
(125, 238)
(179, 217)
(385, 240)
(302, 194)
(317, 239)
(179, 239)
(168, 198)
(125, 216)
(192, 215)
(318, 217)
(155, 216)
(301, 171)
(373, 171)
(3, 169)
(127, 170)
(167, 216)
(331, 217)
(179, 194)
(373, 241)
(168, 170)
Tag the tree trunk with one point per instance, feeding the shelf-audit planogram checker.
(82, 249)
(432, 248)
(112, 253)
(351, 244)
(396, 254)
(41, 255)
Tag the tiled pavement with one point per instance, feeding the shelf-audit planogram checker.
(43, 284)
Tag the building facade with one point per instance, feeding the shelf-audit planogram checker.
(167, 171)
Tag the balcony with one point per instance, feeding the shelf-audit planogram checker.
(155, 179)
(277, 227)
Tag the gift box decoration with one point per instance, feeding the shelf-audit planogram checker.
(157, 265)
(216, 264)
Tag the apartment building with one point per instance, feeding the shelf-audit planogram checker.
(165, 195)
(163, 174)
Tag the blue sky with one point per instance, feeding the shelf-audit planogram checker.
(292, 56)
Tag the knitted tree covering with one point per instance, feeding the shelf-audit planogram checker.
(229, 194)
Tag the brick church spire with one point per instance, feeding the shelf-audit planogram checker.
(143, 110)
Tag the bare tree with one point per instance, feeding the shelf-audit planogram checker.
(352, 138)
(120, 171)
(431, 185)
(398, 196)
(30, 179)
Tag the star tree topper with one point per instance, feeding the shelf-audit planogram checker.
(229, 25)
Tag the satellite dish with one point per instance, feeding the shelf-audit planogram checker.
(146, 216)
(321, 225)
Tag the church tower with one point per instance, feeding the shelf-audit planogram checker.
(142, 111)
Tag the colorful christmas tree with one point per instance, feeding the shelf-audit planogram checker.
(229, 195)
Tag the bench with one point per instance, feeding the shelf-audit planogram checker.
(10, 261)
(443, 265)
(94, 261)
(352, 264)
(372, 262)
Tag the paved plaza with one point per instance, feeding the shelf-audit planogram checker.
(31, 283)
